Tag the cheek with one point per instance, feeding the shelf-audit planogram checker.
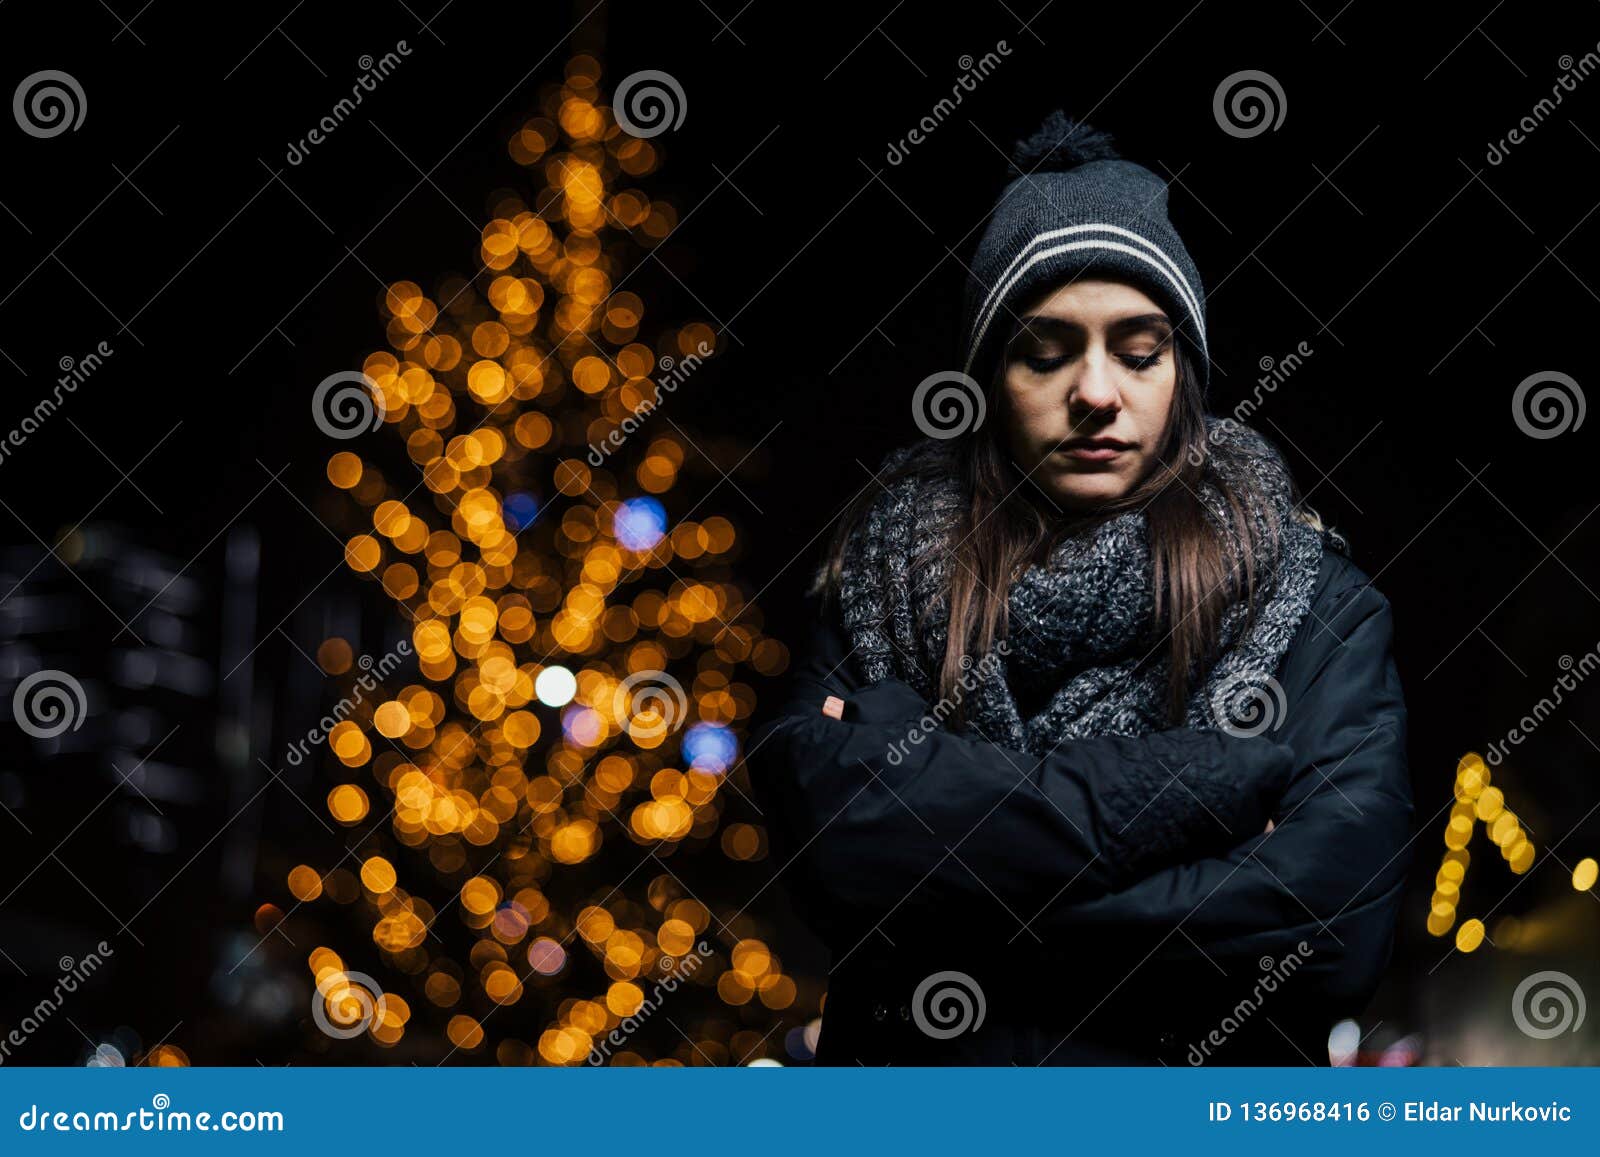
(1153, 406)
(1029, 412)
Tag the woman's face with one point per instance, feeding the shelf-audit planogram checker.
(1088, 381)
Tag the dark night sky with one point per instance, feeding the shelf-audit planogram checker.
(1370, 225)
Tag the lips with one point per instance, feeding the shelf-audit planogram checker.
(1094, 449)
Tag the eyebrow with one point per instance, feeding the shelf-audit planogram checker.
(1121, 326)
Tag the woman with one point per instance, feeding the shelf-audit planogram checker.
(1098, 755)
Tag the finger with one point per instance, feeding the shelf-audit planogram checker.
(833, 707)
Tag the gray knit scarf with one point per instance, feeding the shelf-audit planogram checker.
(1080, 645)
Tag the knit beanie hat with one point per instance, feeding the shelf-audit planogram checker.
(1078, 210)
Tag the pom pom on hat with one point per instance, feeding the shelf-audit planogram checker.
(1060, 144)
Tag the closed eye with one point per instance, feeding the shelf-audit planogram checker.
(1140, 362)
(1135, 362)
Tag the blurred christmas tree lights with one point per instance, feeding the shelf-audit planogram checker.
(574, 740)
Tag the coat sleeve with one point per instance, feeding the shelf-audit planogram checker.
(885, 811)
(1325, 883)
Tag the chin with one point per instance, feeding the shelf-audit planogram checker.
(1080, 489)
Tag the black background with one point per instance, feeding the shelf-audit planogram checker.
(1370, 225)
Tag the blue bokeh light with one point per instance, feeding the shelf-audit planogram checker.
(710, 747)
(520, 509)
(640, 523)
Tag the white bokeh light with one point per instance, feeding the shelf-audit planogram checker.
(555, 686)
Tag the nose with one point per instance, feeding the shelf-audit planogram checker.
(1096, 388)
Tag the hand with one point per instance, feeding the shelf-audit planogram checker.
(886, 701)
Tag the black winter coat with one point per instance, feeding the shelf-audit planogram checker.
(1116, 901)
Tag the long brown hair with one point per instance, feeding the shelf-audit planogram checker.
(1197, 571)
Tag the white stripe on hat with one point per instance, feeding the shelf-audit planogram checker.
(1190, 298)
(1162, 263)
